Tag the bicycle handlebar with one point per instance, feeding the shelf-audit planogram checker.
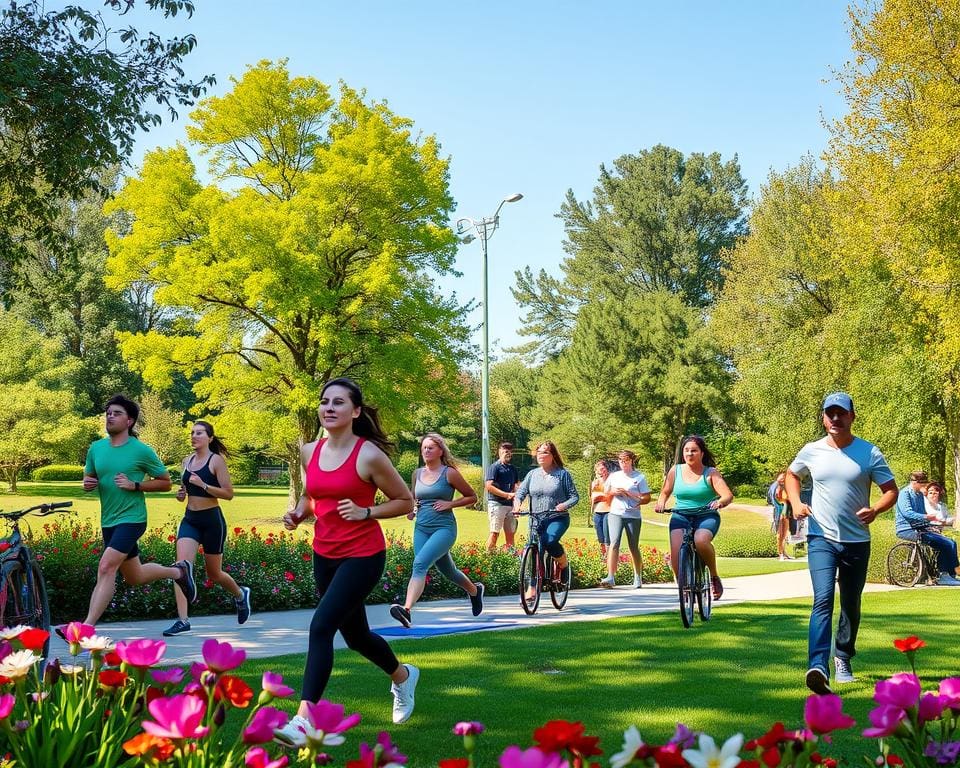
(40, 510)
(694, 511)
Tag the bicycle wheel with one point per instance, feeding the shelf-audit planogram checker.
(559, 586)
(685, 585)
(14, 597)
(530, 580)
(904, 564)
(704, 591)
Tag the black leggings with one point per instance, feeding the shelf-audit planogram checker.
(343, 585)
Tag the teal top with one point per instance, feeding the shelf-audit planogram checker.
(692, 495)
(134, 459)
(440, 489)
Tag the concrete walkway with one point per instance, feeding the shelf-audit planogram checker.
(283, 632)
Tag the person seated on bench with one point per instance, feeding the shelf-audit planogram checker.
(936, 510)
(912, 524)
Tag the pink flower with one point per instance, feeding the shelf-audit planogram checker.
(220, 657)
(328, 717)
(471, 728)
(178, 717)
(260, 730)
(258, 757)
(141, 653)
(931, 707)
(823, 714)
(902, 690)
(514, 757)
(76, 631)
(7, 701)
(950, 690)
(389, 757)
(273, 685)
(173, 676)
(886, 721)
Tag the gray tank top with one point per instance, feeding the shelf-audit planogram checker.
(426, 494)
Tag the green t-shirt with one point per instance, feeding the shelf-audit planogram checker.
(134, 459)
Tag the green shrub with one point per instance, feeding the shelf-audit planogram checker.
(405, 463)
(174, 470)
(746, 543)
(57, 472)
(243, 468)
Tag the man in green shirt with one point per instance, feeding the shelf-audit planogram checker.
(121, 468)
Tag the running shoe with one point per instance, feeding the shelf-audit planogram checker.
(293, 734)
(608, 582)
(844, 670)
(818, 682)
(177, 628)
(476, 601)
(403, 694)
(401, 614)
(243, 605)
(185, 580)
(637, 581)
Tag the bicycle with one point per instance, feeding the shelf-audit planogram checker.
(693, 582)
(909, 561)
(535, 565)
(23, 591)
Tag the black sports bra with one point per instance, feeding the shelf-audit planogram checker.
(204, 474)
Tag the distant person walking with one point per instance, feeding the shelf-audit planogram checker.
(600, 504)
(842, 468)
(120, 468)
(500, 483)
(782, 512)
(204, 482)
(342, 474)
(435, 530)
(627, 489)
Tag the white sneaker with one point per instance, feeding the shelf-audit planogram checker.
(947, 580)
(293, 734)
(403, 695)
(637, 581)
(607, 582)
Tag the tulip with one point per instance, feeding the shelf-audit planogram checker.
(220, 657)
(177, 717)
(7, 700)
(76, 631)
(33, 639)
(258, 757)
(902, 690)
(327, 718)
(96, 644)
(471, 728)
(708, 756)
(18, 664)
(823, 714)
(950, 690)
(172, 676)
(931, 707)
(273, 688)
(514, 757)
(141, 653)
(886, 721)
(910, 644)
(263, 724)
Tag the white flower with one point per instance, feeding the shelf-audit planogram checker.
(8, 633)
(96, 643)
(632, 742)
(17, 664)
(708, 756)
(71, 669)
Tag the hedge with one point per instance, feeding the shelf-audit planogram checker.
(57, 472)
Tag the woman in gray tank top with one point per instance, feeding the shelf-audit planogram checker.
(435, 531)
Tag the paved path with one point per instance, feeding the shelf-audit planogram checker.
(282, 632)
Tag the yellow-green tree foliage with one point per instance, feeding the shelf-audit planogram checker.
(310, 255)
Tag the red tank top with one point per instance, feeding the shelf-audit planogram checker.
(333, 536)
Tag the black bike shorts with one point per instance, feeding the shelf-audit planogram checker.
(123, 537)
(207, 526)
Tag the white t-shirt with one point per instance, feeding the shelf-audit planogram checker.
(621, 481)
(940, 510)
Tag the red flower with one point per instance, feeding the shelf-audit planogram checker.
(909, 644)
(148, 744)
(748, 764)
(112, 659)
(668, 756)
(306, 557)
(771, 738)
(893, 759)
(558, 735)
(268, 541)
(112, 678)
(238, 531)
(4, 545)
(454, 762)
(771, 757)
(234, 690)
(171, 537)
(33, 639)
(289, 576)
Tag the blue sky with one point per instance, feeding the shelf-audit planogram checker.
(532, 97)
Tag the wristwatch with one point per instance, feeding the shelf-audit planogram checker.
(136, 485)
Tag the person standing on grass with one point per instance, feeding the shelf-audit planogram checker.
(500, 483)
(842, 468)
(204, 481)
(627, 489)
(435, 531)
(342, 473)
(121, 468)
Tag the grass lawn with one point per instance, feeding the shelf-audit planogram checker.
(742, 671)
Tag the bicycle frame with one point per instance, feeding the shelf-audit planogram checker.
(542, 566)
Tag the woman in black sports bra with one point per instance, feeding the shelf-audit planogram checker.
(205, 480)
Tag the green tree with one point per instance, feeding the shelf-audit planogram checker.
(39, 422)
(658, 221)
(73, 93)
(163, 429)
(313, 258)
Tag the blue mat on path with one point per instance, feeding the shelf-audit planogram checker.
(432, 630)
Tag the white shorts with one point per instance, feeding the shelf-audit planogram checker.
(501, 517)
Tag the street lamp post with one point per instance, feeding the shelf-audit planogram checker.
(484, 229)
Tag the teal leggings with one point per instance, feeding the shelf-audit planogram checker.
(433, 548)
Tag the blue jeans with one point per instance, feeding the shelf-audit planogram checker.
(832, 562)
(601, 527)
(551, 530)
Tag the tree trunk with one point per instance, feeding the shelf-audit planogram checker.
(952, 414)
(308, 424)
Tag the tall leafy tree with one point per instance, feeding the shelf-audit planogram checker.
(73, 92)
(312, 254)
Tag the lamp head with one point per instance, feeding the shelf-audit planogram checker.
(513, 198)
(467, 239)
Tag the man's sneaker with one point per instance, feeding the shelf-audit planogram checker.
(401, 614)
(185, 580)
(243, 605)
(476, 601)
(177, 628)
(844, 670)
(403, 695)
(637, 581)
(293, 734)
(717, 586)
(818, 682)
(608, 582)
(948, 580)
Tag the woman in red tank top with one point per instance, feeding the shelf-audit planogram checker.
(342, 474)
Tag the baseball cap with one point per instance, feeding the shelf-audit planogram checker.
(839, 399)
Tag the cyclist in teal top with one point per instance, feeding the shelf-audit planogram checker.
(696, 484)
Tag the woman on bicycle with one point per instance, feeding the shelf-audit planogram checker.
(701, 492)
(204, 482)
(342, 474)
(551, 489)
(435, 531)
